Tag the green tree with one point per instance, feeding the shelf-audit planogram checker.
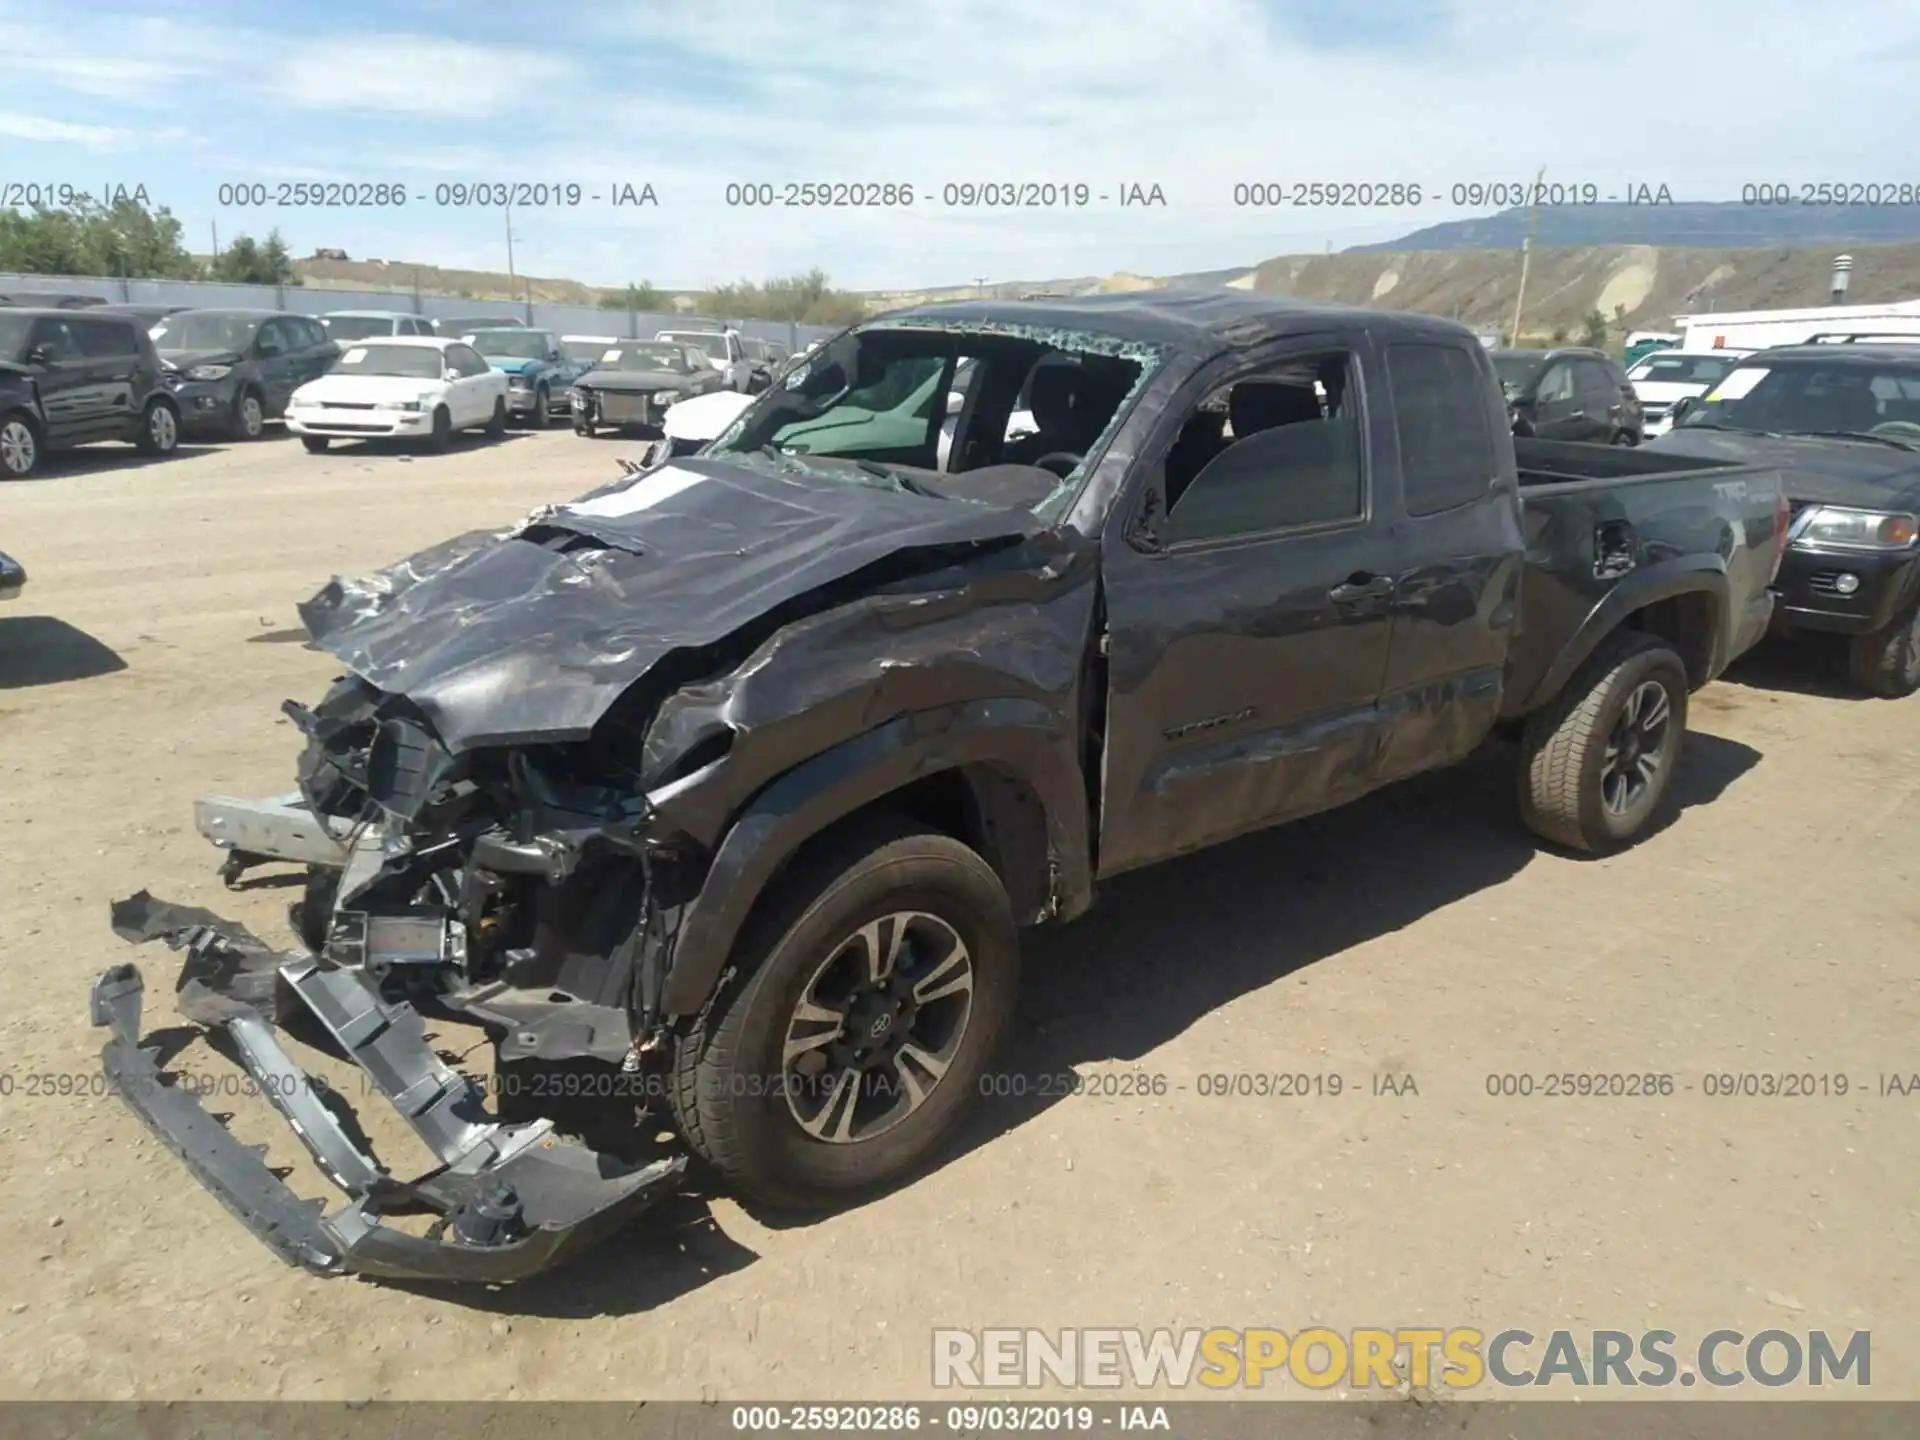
(1595, 332)
(807, 299)
(251, 262)
(642, 297)
(88, 238)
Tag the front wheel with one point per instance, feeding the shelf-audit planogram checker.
(876, 984)
(249, 420)
(316, 444)
(441, 437)
(497, 422)
(540, 417)
(1887, 662)
(1597, 764)
(19, 447)
(159, 432)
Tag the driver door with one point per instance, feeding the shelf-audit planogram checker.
(1248, 637)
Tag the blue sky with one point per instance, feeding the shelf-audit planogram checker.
(689, 95)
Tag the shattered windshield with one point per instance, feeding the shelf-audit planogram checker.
(205, 330)
(920, 407)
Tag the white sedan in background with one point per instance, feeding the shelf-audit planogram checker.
(405, 387)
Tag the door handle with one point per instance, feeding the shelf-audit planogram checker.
(1361, 587)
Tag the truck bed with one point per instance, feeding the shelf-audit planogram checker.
(1603, 519)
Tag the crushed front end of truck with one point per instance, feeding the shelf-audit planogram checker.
(512, 803)
(465, 885)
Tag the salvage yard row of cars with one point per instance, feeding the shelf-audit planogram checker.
(977, 609)
(155, 376)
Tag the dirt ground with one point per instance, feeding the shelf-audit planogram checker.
(1770, 927)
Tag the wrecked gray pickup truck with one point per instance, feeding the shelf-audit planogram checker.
(743, 773)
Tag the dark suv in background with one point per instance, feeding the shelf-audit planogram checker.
(233, 370)
(68, 377)
(1842, 424)
(1570, 394)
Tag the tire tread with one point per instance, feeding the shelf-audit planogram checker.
(1560, 736)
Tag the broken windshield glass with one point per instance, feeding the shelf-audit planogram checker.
(929, 404)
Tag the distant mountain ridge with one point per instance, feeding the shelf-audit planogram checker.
(1713, 224)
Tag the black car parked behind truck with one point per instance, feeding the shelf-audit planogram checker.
(745, 773)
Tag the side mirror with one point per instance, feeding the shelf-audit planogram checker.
(956, 401)
(1684, 407)
(40, 355)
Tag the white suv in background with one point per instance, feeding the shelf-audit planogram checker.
(1663, 378)
(726, 350)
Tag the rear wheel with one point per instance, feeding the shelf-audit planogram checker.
(159, 432)
(1597, 763)
(1887, 662)
(19, 446)
(876, 981)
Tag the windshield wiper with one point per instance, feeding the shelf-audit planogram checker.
(1855, 435)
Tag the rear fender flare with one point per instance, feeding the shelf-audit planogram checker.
(1684, 575)
(1020, 737)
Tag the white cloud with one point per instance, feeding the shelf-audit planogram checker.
(61, 132)
(1195, 96)
(416, 75)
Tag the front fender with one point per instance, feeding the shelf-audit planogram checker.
(1682, 575)
(1021, 738)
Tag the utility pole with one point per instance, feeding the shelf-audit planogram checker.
(214, 226)
(980, 286)
(1526, 254)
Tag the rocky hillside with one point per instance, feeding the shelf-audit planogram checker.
(1636, 287)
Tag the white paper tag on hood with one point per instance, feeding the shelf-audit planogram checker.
(643, 494)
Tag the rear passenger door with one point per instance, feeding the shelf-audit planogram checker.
(1247, 631)
(110, 350)
(476, 389)
(273, 353)
(1458, 553)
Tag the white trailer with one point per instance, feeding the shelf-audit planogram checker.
(1759, 329)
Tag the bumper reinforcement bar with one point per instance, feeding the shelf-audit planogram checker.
(510, 1200)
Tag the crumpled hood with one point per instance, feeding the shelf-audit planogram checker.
(531, 636)
(1820, 471)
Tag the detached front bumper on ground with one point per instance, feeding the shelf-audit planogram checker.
(508, 1201)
